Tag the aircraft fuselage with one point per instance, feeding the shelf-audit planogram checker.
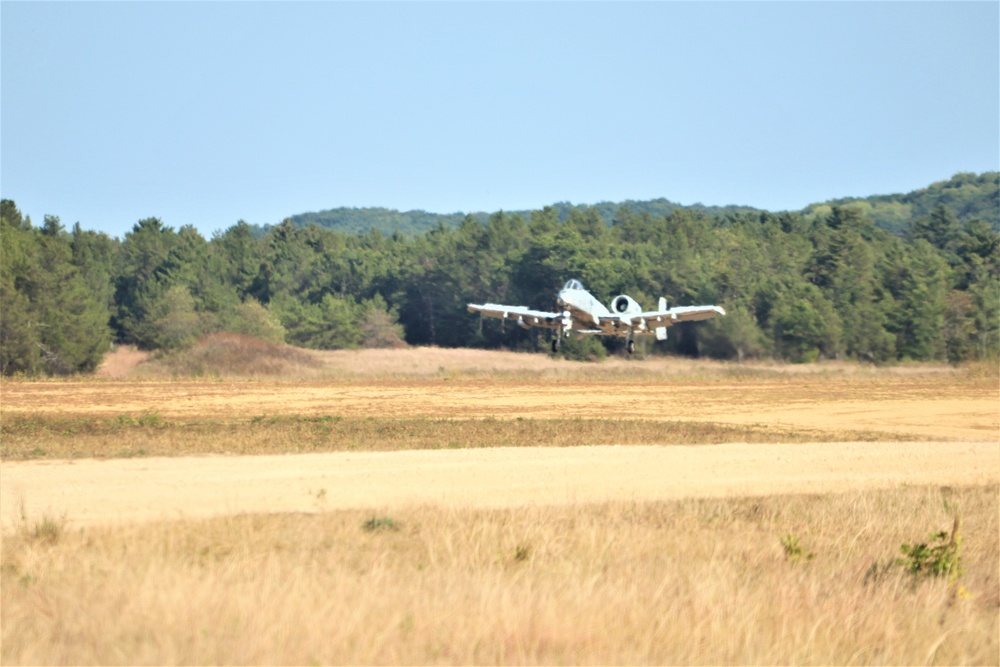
(583, 307)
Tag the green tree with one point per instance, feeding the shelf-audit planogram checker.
(984, 297)
(240, 256)
(331, 324)
(853, 283)
(50, 322)
(253, 319)
(379, 326)
(940, 229)
(804, 325)
(143, 253)
(172, 321)
(19, 342)
(919, 318)
(287, 264)
(94, 255)
(735, 336)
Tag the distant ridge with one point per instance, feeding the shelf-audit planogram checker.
(964, 195)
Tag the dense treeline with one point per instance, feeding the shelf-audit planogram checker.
(796, 287)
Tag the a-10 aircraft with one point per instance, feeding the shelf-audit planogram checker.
(584, 314)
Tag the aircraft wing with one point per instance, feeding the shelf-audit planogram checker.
(525, 317)
(655, 319)
(689, 313)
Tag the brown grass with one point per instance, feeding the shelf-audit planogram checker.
(26, 437)
(688, 582)
(939, 405)
(227, 355)
(231, 354)
(467, 398)
(120, 362)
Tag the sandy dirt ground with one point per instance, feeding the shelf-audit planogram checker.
(924, 409)
(125, 490)
(963, 418)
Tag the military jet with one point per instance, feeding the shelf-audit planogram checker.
(584, 314)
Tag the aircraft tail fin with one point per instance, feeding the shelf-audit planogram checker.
(661, 332)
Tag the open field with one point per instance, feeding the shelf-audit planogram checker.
(89, 492)
(801, 579)
(450, 506)
(824, 401)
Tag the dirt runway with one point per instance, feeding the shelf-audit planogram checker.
(961, 413)
(900, 407)
(126, 490)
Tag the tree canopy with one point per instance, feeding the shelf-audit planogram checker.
(825, 283)
(965, 196)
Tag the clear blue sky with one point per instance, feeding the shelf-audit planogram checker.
(208, 113)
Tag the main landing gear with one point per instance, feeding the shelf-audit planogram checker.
(557, 340)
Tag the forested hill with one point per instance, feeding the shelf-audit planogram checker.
(387, 221)
(965, 196)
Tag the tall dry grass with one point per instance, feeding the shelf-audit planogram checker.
(688, 582)
(226, 355)
(231, 354)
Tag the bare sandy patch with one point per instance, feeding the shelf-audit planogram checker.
(126, 490)
(121, 362)
(958, 411)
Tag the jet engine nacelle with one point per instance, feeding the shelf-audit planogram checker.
(625, 305)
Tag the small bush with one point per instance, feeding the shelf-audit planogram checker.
(376, 524)
(938, 557)
(583, 348)
(47, 530)
(148, 419)
(794, 551)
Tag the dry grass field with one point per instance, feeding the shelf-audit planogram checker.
(678, 582)
(453, 506)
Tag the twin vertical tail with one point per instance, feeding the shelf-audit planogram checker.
(661, 332)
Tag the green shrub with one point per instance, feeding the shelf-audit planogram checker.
(938, 557)
(583, 348)
(793, 550)
(376, 524)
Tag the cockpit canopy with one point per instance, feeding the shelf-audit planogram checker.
(573, 284)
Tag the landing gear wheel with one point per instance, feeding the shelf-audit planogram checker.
(555, 346)
(630, 346)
